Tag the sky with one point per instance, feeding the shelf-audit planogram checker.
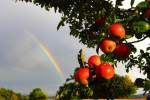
(31, 49)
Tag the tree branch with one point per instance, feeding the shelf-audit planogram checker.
(139, 40)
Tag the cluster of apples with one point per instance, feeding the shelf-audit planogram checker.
(116, 32)
(111, 45)
(97, 68)
(101, 70)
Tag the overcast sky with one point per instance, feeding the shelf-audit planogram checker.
(23, 65)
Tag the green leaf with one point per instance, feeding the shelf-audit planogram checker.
(132, 2)
(68, 79)
(127, 36)
(139, 82)
(119, 2)
(75, 98)
(141, 26)
(148, 48)
(81, 58)
(141, 51)
(101, 36)
(108, 58)
(147, 85)
(61, 23)
(97, 48)
(142, 5)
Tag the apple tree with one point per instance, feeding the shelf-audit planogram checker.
(108, 28)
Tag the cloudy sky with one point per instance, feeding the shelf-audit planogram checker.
(23, 64)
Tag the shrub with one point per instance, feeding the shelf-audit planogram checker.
(117, 87)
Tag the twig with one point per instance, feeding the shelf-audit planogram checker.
(138, 40)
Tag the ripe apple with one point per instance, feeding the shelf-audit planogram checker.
(83, 82)
(76, 76)
(122, 50)
(147, 13)
(94, 61)
(107, 45)
(100, 21)
(105, 70)
(81, 75)
(117, 31)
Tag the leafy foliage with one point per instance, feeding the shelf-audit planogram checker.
(6, 94)
(139, 82)
(142, 61)
(81, 17)
(116, 87)
(38, 94)
(72, 90)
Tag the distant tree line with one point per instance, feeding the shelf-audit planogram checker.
(35, 94)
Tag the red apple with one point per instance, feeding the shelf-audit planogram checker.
(105, 70)
(81, 75)
(84, 82)
(117, 31)
(100, 21)
(107, 45)
(76, 76)
(94, 61)
(147, 13)
(122, 51)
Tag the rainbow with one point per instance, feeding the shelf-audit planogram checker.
(47, 52)
(49, 55)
